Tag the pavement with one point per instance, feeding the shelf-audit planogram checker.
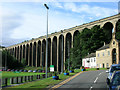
(89, 80)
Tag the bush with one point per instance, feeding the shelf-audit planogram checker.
(55, 74)
(66, 71)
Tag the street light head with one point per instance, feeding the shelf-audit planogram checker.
(46, 6)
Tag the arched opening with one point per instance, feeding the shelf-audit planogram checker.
(34, 54)
(15, 52)
(118, 26)
(117, 33)
(39, 53)
(114, 56)
(27, 53)
(54, 53)
(61, 53)
(18, 53)
(24, 51)
(67, 47)
(74, 35)
(43, 52)
(21, 53)
(30, 54)
(49, 51)
(108, 27)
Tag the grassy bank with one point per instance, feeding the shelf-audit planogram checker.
(9, 74)
(44, 82)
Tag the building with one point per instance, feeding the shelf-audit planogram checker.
(89, 61)
(108, 54)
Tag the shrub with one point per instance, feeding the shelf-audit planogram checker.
(55, 74)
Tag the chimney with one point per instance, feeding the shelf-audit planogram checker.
(104, 43)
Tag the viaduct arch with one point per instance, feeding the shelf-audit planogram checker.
(34, 51)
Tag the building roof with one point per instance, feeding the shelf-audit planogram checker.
(103, 47)
(91, 55)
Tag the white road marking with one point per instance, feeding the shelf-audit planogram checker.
(100, 73)
(90, 88)
(96, 80)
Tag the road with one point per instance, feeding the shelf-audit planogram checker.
(89, 80)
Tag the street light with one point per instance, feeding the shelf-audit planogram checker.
(62, 51)
(46, 38)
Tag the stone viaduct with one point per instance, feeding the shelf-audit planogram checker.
(33, 51)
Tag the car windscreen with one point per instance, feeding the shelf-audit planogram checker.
(115, 68)
(116, 79)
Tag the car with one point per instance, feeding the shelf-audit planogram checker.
(30, 71)
(39, 70)
(4, 69)
(114, 82)
(8, 70)
(35, 71)
(112, 69)
(12, 70)
(21, 70)
(25, 71)
(16, 70)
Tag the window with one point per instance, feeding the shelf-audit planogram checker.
(103, 53)
(113, 42)
(107, 65)
(98, 55)
(108, 53)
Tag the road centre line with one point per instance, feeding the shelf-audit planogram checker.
(60, 84)
(90, 88)
(96, 80)
(100, 73)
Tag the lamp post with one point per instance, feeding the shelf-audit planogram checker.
(46, 39)
(62, 52)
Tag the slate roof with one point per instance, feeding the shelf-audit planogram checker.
(104, 47)
(91, 55)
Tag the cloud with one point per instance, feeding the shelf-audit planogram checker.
(59, 1)
(26, 21)
(97, 11)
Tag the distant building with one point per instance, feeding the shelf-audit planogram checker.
(89, 61)
(108, 54)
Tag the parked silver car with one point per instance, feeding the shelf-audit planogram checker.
(30, 71)
(113, 68)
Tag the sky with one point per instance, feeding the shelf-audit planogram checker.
(26, 20)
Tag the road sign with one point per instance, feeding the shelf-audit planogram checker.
(51, 68)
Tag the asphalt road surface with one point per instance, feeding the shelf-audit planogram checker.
(90, 80)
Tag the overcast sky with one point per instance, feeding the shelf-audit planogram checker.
(26, 20)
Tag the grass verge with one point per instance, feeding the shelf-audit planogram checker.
(44, 82)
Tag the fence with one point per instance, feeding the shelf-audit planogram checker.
(22, 79)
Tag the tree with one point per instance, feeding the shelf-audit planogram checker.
(118, 35)
(118, 30)
(10, 61)
(88, 41)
